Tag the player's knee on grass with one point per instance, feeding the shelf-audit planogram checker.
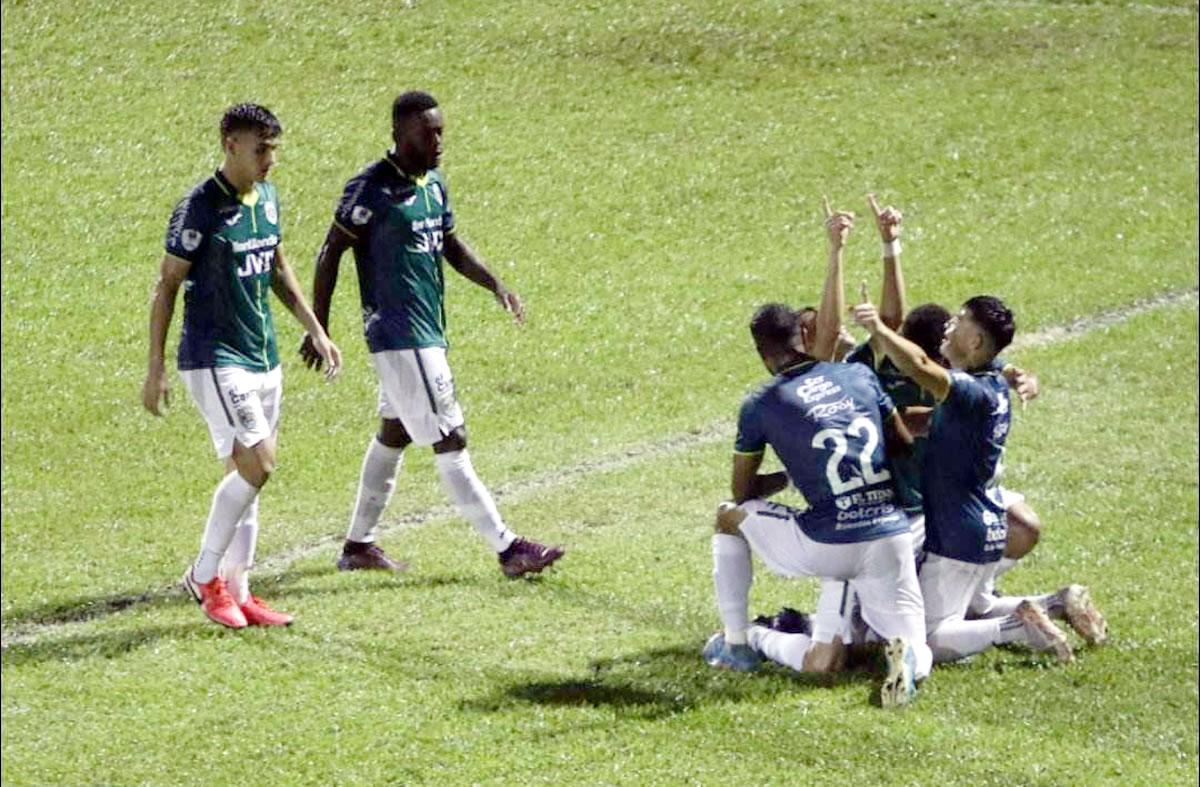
(729, 519)
(392, 433)
(1024, 530)
(825, 657)
(455, 441)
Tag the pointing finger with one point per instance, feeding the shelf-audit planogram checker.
(862, 291)
(825, 202)
(874, 205)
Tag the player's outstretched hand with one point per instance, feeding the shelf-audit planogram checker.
(886, 219)
(867, 316)
(1023, 383)
(838, 223)
(156, 393)
(511, 303)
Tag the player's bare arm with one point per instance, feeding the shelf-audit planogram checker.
(287, 289)
(833, 300)
(892, 306)
(329, 259)
(897, 438)
(908, 356)
(156, 392)
(464, 260)
(748, 484)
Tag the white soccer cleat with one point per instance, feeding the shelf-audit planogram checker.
(1083, 615)
(1043, 634)
(899, 685)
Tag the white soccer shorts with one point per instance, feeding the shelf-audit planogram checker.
(882, 572)
(416, 387)
(948, 586)
(236, 403)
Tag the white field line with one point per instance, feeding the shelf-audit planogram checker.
(1174, 10)
(517, 491)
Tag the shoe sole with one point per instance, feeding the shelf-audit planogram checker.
(399, 568)
(1084, 617)
(899, 688)
(1036, 618)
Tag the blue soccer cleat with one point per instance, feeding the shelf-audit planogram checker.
(899, 686)
(739, 658)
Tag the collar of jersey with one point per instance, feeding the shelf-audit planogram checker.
(421, 181)
(802, 365)
(249, 199)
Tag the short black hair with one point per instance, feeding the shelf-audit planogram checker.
(775, 327)
(925, 325)
(250, 117)
(994, 318)
(412, 102)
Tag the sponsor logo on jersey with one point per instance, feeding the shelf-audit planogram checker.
(360, 215)
(234, 217)
(828, 409)
(271, 212)
(190, 239)
(814, 389)
(254, 244)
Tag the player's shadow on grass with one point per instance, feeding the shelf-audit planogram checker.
(654, 684)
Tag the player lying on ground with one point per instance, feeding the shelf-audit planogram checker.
(223, 246)
(829, 424)
(396, 216)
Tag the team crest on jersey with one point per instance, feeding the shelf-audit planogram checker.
(271, 212)
(360, 215)
(190, 239)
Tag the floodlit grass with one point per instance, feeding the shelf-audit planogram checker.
(643, 174)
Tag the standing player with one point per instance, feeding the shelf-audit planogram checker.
(827, 423)
(396, 216)
(964, 515)
(223, 247)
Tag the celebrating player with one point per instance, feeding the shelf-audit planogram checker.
(396, 216)
(828, 423)
(223, 246)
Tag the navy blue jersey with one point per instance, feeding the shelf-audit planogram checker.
(398, 224)
(904, 393)
(825, 422)
(964, 518)
(230, 242)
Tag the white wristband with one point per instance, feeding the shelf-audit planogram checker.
(891, 248)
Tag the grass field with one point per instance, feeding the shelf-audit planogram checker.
(644, 174)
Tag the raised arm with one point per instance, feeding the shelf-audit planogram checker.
(287, 289)
(833, 299)
(892, 307)
(156, 392)
(325, 276)
(464, 260)
(909, 358)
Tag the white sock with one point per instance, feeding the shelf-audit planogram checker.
(472, 498)
(732, 575)
(786, 649)
(234, 494)
(957, 639)
(375, 486)
(239, 558)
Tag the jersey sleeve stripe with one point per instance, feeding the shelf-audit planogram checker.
(759, 452)
(339, 225)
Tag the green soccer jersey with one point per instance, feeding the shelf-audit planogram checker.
(398, 224)
(906, 470)
(230, 242)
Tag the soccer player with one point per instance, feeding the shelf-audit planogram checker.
(828, 423)
(397, 218)
(964, 515)
(223, 248)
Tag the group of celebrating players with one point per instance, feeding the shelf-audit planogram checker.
(896, 445)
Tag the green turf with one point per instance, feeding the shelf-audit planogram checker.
(643, 173)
